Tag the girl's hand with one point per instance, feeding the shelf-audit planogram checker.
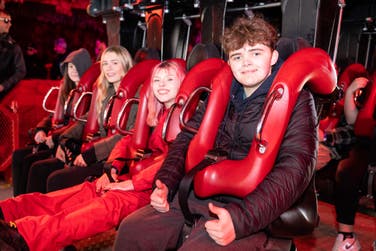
(103, 181)
(40, 137)
(79, 161)
(126, 185)
(50, 142)
(60, 154)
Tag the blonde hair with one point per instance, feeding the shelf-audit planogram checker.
(102, 83)
(154, 106)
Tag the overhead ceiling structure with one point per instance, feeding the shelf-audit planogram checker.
(62, 6)
(78, 4)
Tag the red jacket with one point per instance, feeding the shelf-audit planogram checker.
(142, 180)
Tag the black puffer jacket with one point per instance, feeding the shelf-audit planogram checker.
(12, 66)
(293, 168)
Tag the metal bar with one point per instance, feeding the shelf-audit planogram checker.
(317, 22)
(341, 4)
(269, 5)
(368, 50)
(187, 17)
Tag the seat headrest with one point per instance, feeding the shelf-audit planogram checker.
(201, 52)
(287, 46)
(146, 53)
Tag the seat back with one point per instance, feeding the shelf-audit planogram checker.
(200, 75)
(366, 120)
(141, 131)
(198, 80)
(63, 112)
(218, 99)
(201, 52)
(86, 84)
(91, 127)
(140, 137)
(300, 219)
(286, 46)
(335, 109)
(128, 87)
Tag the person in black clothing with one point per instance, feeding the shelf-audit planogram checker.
(12, 66)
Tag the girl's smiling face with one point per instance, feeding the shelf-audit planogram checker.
(165, 84)
(112, 68)
(73, 73)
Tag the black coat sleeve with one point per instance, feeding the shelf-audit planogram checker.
(19, 70)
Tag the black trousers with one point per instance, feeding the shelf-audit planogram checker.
(39, 172)
(146, 229)
(22, 159)
(349, 175)
(68, 177)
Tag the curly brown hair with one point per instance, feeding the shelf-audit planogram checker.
(249, 30)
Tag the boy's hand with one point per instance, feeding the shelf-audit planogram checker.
(158, 199)
(222, 231)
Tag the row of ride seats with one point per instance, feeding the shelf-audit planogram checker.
(213, 75)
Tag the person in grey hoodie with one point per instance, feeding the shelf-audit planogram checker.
(72, 68)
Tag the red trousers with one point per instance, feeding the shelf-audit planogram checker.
(54, 220)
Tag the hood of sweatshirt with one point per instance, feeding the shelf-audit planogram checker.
(80, 58)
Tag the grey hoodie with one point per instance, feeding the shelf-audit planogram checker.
(80, 58)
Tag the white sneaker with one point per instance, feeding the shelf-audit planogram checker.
(350, 244)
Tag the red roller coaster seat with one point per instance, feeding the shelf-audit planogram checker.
(62, 111)
(336, 109)
(87, 83)
(201, 75)
(310, 65)
(129, 85)
(366, 120)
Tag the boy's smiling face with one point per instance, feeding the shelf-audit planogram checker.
(251, 65)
